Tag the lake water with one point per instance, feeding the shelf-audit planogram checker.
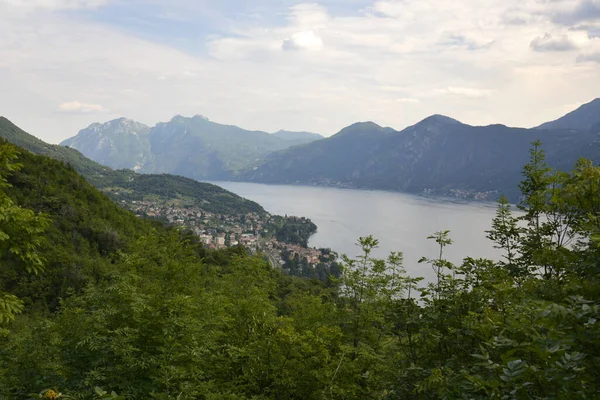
(400, 221)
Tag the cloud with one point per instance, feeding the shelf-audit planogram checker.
(591, 57)
(77, 107)
(303, 41)
(550, 43)
(309, 16)
(585, 10)
(407, 100)
(391, 61)
(458, 40)
(465, 92)
(53, 4)
(594, 33)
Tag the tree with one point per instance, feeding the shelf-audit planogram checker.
(534, 190)
(20, 234)
(442, 238)
(506, 235)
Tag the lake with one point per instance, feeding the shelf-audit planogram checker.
(400, 221)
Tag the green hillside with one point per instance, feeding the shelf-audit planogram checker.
(94, 300)
(125, 184)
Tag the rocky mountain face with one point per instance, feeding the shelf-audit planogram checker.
(438, 155)
(121, 144)
(193, 147)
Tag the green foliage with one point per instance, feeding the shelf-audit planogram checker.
(506, 235)
(20, 234)
(125, 304)
(293, 230)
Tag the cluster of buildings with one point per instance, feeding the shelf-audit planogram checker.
(466, 194)
(217, 231)
(283, 252)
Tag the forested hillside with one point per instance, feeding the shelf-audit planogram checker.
(93, 300)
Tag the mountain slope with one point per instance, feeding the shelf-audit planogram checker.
(121, 143)
(297, 137)
(200, 149)
(583, 118)
(438, 155)
(86, 229)
(121, 184)
(193, 147)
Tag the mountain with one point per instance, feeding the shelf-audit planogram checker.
(193, 147)
(298, 137)
(438, 155)
(585, 117)
(125, 184)
(121, 143)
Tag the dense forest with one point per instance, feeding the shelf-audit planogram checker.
(95, 303)
(296, 230)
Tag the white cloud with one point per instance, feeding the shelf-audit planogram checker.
(472, 93)
(408, 100)
(309, 16)
(303, 41)
(550, 43)
(394, 62)
(589, 57)
(77, 107)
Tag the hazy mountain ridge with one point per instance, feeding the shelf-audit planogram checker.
(585, 117)
(193, 147)
(438, 155)
(300, 137)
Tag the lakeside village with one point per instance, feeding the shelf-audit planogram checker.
(283, 240)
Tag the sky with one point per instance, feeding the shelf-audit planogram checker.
(310, 66)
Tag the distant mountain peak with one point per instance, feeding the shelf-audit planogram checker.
(363, 129)
(439, 119)
(201, 117)
(177, 118)
(126, 124)
(585, 117)
(197, 117)
(363, 125)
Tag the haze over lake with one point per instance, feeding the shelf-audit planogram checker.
(400, 221)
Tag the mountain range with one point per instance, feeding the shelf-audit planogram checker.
(438, 155)
(129, 185)
(193, 147)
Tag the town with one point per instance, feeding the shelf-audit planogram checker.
(282, 240)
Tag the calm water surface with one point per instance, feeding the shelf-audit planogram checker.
(400, 221)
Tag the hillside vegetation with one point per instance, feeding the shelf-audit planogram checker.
(128, 185)
(94, 300)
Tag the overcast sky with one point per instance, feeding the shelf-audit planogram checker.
(285, 64)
